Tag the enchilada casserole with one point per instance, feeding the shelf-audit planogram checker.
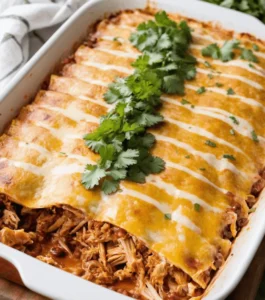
(165, 236)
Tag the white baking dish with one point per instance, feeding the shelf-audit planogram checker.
(57, 284)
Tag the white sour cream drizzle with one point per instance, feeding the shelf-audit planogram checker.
(237, 77)
(171, 190)
(85, 160)
(216, 90)
(178, 217)
(134, 55)
(196, 175)
(98, 102)
(107, 67)
(82, 159)
(25, 166)
(202, 132)
(73, 113)
(163, 207)
(219, 164)
(248, 101)
(40, 149)
(243, 127)
(59, 133)
(67, 169)
(236, 63)
(119, 53)
(47, 169)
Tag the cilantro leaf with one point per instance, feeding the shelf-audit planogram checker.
(212, 51)
(152, 165)
(126, 158)
(146, 141)
(230, 91)
(197, 207)
(173, 84)
(229, 156)
(227, 50)
(117, 174)
(92, 176)
(110, 186)
(167, 216)
(184, 101)
(234, 119)
(225, 53)
(95, 145)
(135, 174)
(201, 90)
(255, 47)
(210, 143)
(247, 54)
(254, 136)
(149, 120)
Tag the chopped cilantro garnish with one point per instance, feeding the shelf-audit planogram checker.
(247, 54)
(229, 156)
(255, 47)
(218, 84)
(234, 119)
(167, 216)
(192, 106)
(230, 91)
(121, 138)
(210, 143)
(63, 153)
(251, 65)
(187, 156)
(184, 101)
(226, 52)
(197, 207)
(254, 136)
(201, 90)
(232, 132)
(210, 76)
(207, 64)
(202, 169)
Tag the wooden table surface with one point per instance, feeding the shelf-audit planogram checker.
(246, 290)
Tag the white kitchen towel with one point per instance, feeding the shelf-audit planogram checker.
(25, 25)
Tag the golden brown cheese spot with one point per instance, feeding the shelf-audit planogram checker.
(29, 132)
(23, 153)
(76, 87)
(87, 73)
(85, 54)
(216, 126)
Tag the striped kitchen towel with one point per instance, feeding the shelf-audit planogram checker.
(25, 25)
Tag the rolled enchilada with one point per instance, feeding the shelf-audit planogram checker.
(169, 235)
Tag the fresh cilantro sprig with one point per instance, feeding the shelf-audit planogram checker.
(226, 52)
(165, 44)
(121, 139)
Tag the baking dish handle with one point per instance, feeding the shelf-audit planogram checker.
(50, 281)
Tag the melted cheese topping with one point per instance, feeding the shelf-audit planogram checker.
(43, 154)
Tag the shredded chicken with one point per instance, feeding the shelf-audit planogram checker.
(100, 252)
(18, 239)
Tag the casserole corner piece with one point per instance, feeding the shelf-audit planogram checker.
(162, 239)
